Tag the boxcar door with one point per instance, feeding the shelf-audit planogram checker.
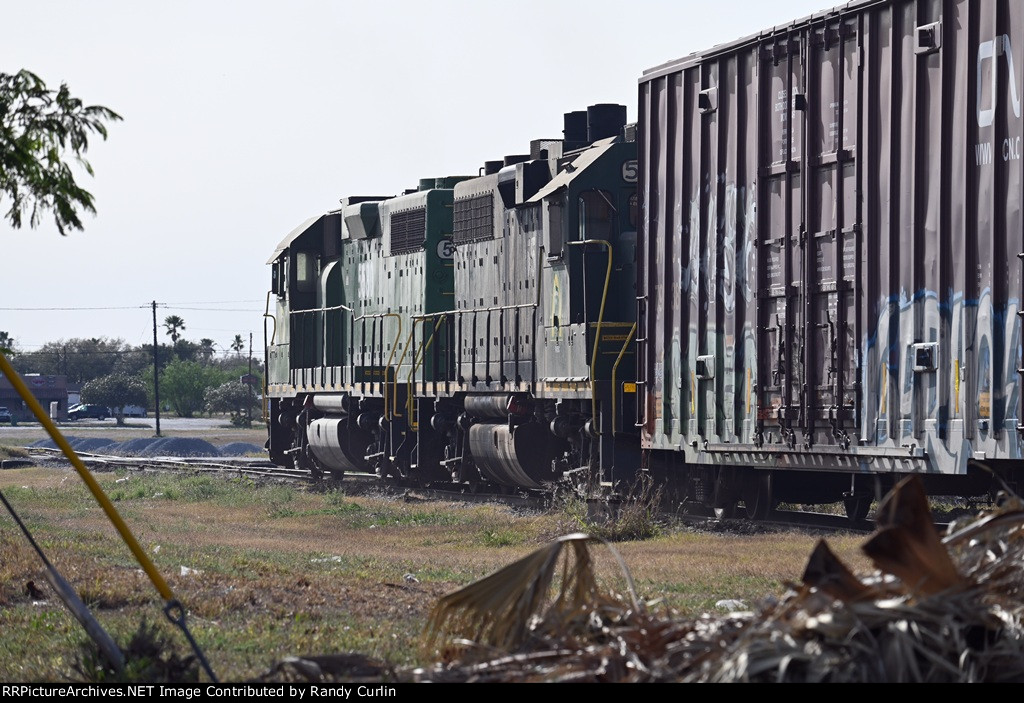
(831, 240)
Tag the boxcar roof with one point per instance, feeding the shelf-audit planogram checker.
(699, 56)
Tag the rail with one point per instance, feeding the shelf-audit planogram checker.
(600, 320)
(264, 404)
(394, 348)
(615, 368)
(418, 357)
(449, 326)
(302, 355)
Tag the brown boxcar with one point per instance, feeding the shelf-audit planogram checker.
(829, 253)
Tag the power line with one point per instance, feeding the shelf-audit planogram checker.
(212, 302)
(178, 307)
(143, 307)
(133, 307)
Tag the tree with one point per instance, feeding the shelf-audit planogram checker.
(238, 344)
(6, 344)
(183, 385)
(40, 131)
(233, 397)
(115, 391)
(79, 359)
(206, 349)
(175, 326)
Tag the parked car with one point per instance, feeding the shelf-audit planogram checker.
(96, 412)
(5, 415)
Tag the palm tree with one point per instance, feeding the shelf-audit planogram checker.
(175, 326)
(238, 344)
(206, 348)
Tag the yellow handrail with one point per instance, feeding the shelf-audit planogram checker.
(416, 363)
(405, 348)
(171, 604)
(597, 336)
(615, 368)
(30, 400)
(391, 357)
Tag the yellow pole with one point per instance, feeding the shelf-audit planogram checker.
(94, 487)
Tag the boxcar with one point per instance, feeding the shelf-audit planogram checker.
(829, 254)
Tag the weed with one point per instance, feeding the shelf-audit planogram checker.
(633, 517)
(12, 452)
(500, 538)
(149, 657)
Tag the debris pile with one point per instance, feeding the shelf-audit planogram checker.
(935, 610)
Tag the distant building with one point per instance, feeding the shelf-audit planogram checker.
(46, 389)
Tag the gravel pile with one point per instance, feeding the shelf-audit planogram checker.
(240, 449)
(133, 447)
(153, 446)
(180, 446)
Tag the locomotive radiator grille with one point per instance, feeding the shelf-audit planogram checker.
(408, 231)
(474, 219)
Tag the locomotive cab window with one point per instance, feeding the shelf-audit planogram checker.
(275, 279)
(597, 215)
(553, 228)
(305, 280)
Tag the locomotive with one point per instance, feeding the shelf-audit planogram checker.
(795, 279)
(475, 329)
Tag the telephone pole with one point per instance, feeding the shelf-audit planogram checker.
(156, 373)
(248, 406)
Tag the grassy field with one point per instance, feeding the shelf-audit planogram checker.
(271, 570)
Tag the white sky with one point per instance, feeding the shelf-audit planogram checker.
(242, 119)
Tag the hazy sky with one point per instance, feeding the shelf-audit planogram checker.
(242, 119)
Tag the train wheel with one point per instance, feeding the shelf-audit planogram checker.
(857, 507)
(757, 496)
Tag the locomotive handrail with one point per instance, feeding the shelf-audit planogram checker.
(615, 368)
(323, 330)
(422, 352)
(493, 308)
(474, 311)
(394, 348)
(266, 357)
(597, 335)
(266, 314)
(410, 340)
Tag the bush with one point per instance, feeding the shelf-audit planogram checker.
(183, 385)
(634, 517)
(115, 391)
(235, 398)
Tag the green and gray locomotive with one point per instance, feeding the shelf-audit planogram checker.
(476, 330)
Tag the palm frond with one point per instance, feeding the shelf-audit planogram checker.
(502, 609)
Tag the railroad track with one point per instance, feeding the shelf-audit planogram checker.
(242, 466)
(262, 468)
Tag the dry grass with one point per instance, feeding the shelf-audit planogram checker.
(935, 610)
(283, 571)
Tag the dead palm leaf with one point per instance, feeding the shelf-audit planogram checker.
(825, 571)
(501, 610)
(908, 546)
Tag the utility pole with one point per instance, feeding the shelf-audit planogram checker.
(248, 406)
(156, 373)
